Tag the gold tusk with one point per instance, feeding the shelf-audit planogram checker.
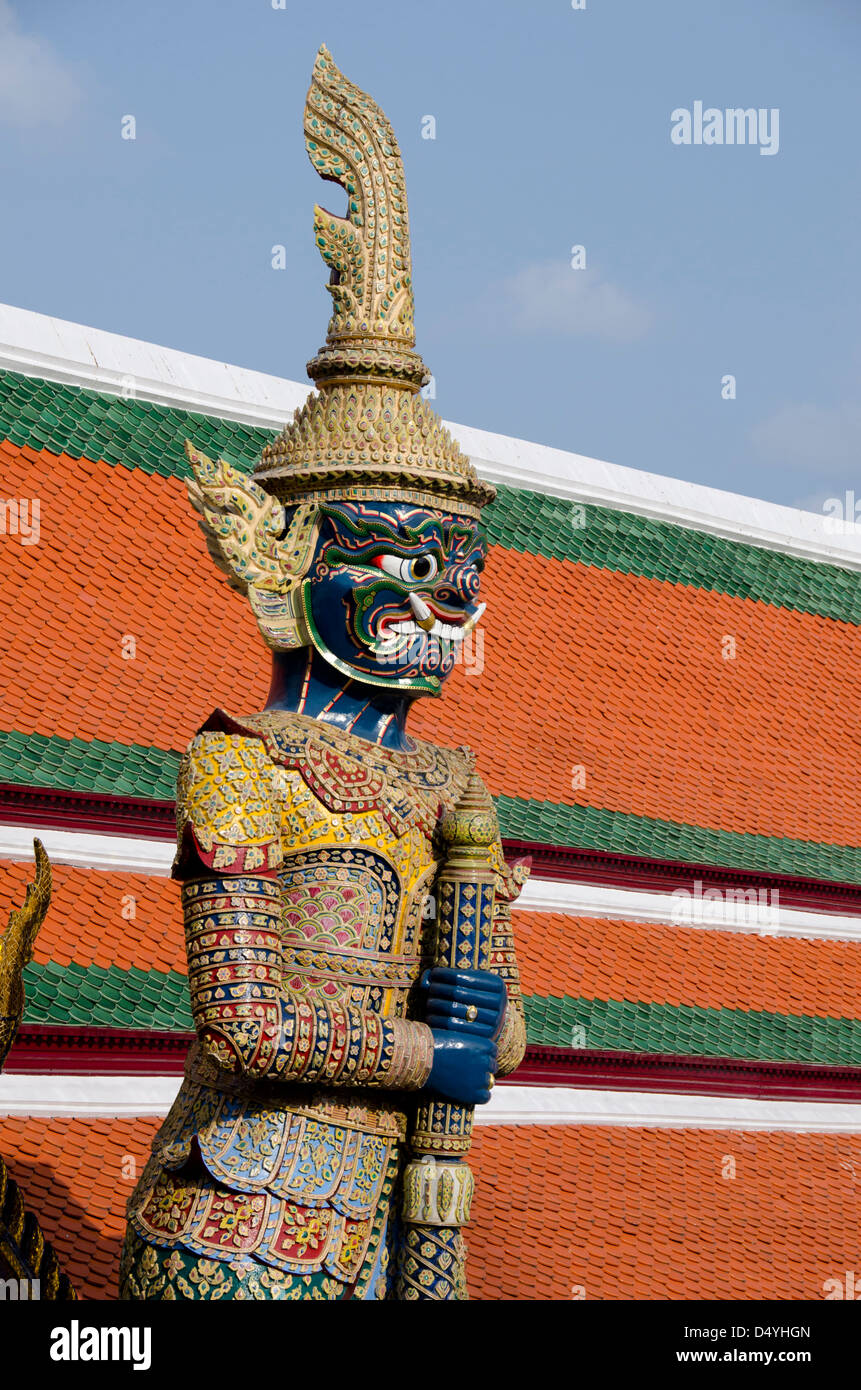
(473, 619)
(423, 616)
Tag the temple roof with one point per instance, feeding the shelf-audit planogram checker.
(664, 702)
(561, 1212)
(675, 990)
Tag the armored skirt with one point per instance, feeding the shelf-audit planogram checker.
(262, 1195)
(307, 862)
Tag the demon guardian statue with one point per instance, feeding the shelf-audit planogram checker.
(346, 902)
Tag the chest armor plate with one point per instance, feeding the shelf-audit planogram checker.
(358, 824)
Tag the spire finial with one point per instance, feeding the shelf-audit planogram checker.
(350, 142)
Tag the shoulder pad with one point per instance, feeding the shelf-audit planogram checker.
(228, 816)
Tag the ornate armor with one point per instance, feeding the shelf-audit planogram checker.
(308, 865)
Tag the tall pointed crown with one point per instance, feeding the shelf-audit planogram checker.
(366, 432)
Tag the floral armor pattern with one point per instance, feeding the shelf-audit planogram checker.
(307, 859)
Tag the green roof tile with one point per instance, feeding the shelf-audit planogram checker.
(76, 994)
(77, 765)
(96, 997)
(686, 1030)
(591, 827)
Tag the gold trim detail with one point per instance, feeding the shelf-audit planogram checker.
(437, 1193)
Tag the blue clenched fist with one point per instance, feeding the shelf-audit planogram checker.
(462, 1068)
(466, 1002)
(465, 1011)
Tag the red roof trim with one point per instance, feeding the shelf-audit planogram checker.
(716, 1076)
(41, 1049)
(570, 865)
(64, 1049)
(94, 812)
(98, 813)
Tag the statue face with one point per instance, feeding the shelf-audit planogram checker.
(390, 590)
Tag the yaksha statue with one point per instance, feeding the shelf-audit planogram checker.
(347, 906)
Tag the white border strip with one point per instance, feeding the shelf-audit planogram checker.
(69, 352)
(92, 1096)
(88, 1096)
(564, 1105)
(38, 345)
(731, 914)
(85, 850)
(127, 854)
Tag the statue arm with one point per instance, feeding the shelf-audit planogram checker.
(230, 851)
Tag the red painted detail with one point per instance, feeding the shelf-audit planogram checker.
(42, 1049)
(610, 870)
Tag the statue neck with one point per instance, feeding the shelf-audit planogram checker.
(302, 681)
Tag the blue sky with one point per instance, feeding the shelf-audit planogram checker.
(552, 130)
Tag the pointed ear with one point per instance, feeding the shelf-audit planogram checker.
(244, 527)
(245, 534)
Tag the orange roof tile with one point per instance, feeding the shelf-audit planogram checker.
(647, 1213)
(86, 924)
(77, 1176)
(601, 958)
(619, 1212)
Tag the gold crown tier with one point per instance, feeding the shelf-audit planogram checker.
(367, 433)
(369, 440)
(351, 357)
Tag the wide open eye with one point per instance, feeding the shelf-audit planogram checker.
(418, 570)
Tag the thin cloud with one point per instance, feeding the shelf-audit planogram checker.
(552, 298)
(36, 86)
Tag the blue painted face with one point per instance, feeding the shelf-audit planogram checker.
(392, 591)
